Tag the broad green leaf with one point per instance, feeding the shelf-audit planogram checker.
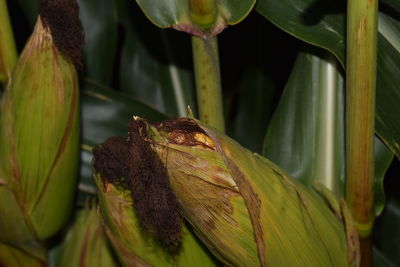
(380, 260)
(99, 21)
(319, 23)
(306, 134)
(29, 9)
(155, 65)
(388, 93)
(106, 113)
(252, 80)
(391, 5)
(383, 158)
(199, 17)
(323, 24)
(387, 231)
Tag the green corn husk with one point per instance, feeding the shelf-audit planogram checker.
(8, 51)
(246, 210)
(86, 243)
(12, 257)
(132, 244)
(39, 144)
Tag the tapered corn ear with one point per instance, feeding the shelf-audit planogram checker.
(133, 245)
(86, 243)
(11, 256)
(16, 238)
(39, 131)
(245, 209)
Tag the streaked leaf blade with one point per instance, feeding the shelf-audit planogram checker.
(323, 24)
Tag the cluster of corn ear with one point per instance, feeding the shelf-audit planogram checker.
(245, 209)
(39, 143)
(133, 245)
(86, 243)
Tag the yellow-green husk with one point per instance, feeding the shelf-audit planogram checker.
(8, 50)
(247, 210)
(39, 144)
(132, 244)
(86, 243)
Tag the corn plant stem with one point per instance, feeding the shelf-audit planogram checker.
(8, 51)
(360, 116)
(208, 81)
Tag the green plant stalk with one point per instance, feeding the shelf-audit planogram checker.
(8, 50)
(360, 116)
(208, 81)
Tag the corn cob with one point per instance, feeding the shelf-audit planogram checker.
(133, 241)
(86, 243)
(244, 208)
(12, 257)
(39, 132)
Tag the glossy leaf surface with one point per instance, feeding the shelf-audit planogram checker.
(387, 230)
(204, 18)
(322, 24)
(106, 113)
(155, 65)
(388, 93)
(29, 9)
(99, 21)
(306, 134)
(253, 80)
(307, 126)
(389, 234)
